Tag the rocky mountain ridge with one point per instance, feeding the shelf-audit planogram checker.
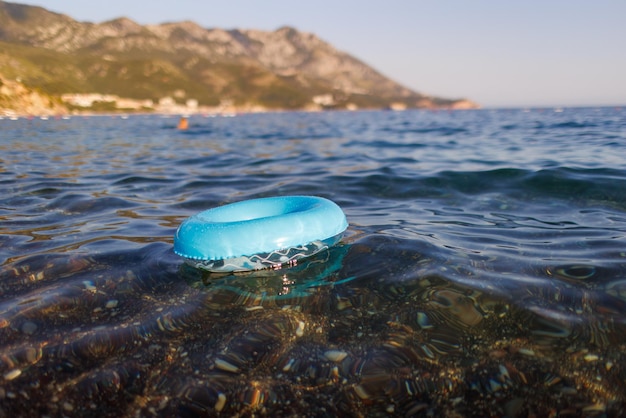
(283, 69)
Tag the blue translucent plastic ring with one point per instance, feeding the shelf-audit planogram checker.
(260, 233)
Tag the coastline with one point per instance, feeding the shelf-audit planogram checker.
(18, 100)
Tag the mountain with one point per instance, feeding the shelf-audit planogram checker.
(184, 63)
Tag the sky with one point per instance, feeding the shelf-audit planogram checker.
(498, 53)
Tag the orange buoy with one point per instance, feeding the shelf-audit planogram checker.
(183, 123)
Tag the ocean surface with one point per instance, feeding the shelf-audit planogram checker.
(483, 272)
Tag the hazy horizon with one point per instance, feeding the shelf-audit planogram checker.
(531, 54)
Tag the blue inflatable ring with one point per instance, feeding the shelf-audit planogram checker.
(260, 233)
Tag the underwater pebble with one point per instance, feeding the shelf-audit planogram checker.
(335, 355)
(29, 327)
(89, 286)
(221, 402)
(111, 304)
(300, 329)
(226, 366)
(287, 366)
(33, 355)
(360, 392)
(422, 321)
(504, 372)
(494, 386)
(599, 407)
(343, 304)
(552, 380)
(526, 351)
(568, 391)
(10, 375)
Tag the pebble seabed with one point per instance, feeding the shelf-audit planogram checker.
(264, 344)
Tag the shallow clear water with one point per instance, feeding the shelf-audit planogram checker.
(483, 272)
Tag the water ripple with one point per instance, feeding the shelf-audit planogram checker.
(483, 272)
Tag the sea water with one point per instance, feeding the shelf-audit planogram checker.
(483, 272)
